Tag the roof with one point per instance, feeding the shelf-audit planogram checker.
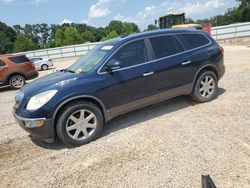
(11, 55)
(177, 14)
(158, 32)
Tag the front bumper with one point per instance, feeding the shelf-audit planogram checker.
(45, 132)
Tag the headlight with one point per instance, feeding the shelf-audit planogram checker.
(41, 99)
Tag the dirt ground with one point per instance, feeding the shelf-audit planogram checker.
(165, 145)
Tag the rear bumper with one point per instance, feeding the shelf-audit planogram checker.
(45, 132)
(222, 71)
(32, 76)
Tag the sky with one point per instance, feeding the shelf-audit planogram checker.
(100, 12)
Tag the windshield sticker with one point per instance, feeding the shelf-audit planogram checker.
(78, 71)
(107, 47)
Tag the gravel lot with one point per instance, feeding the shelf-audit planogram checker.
(165, 145)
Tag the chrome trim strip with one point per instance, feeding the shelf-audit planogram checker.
(100, 73)
(186, 62)
(27, 119)
(148, 74)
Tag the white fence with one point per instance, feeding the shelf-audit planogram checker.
(231, 31)
(222, 32)
(62, 52)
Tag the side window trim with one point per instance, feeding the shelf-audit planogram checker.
(4, 64)
(101, 71)
(152, 61)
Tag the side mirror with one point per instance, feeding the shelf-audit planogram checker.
(112, 65)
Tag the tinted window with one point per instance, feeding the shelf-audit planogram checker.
(191, 41)
(2, 63)
(35, 59)
(165, 46)
(132, 54)
(19, 59)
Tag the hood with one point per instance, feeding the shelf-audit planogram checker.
(52, 81)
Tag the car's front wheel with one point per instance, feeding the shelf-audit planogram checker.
(205, 88)
(79, 123)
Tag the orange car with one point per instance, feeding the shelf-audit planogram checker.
(15, 70)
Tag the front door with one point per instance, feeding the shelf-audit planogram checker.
(133, 85)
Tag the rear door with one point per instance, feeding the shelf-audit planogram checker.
(133, 85)
(173, 71)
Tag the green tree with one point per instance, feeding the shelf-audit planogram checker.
(59, 37)
(99, 33)
(199, 21)
(111, 35)
(116, 26)
(23, 43)
(243, 10)
(71, 36)
(189, 21)
(7, 38)
(130, 28)
(87, 36)
(151, 27)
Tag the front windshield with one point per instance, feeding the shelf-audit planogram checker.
(89, 61)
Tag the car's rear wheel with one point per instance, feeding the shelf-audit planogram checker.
(205, 88)
(79, 123)
(17, 81)
(44, 67)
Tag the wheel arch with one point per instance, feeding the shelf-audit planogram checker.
(209, 67)
(92, 99)
(14, 74)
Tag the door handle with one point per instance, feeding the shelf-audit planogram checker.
(186, 62)
(148, 74)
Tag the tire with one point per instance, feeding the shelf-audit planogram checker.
(206, 87)
(75, 119)
(17, 81)
(44, 67)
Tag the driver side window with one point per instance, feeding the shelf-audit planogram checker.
(132, 54)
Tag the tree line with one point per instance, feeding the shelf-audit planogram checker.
(240, 13)
(39, 36)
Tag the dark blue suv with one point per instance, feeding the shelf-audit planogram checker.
(116, 77)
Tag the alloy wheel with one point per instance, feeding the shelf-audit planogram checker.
(17, 82)
(81, 124)
(207, 86)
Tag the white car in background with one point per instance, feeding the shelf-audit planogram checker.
(41, 63)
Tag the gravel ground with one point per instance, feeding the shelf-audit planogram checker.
(165, 145)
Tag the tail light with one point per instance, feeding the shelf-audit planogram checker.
(222, 49)
(30, 64)
(50, 60)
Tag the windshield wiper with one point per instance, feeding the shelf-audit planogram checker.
(67, 70)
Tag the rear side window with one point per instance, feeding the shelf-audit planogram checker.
(164, 46)
(132, 54)
(19, 59)
(36, 59)
(2, 63)
(191, 41)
